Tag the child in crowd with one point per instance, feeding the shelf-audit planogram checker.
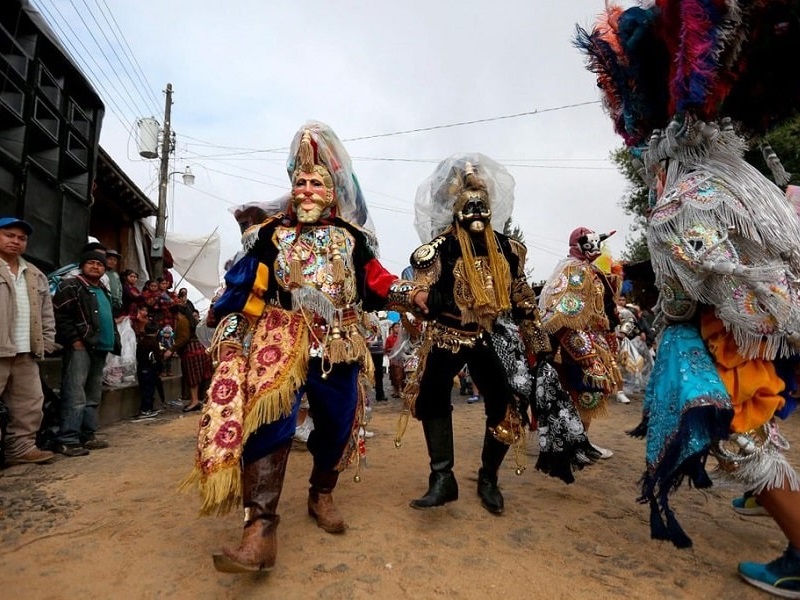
(166, 338)
(149, 362)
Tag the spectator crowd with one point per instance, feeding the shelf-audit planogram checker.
(97, 320)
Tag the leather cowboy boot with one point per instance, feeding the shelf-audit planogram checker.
(262, 482)
(442, 484)
(494, 451)
(320, 501)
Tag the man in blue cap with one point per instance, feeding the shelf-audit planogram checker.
(27, 331)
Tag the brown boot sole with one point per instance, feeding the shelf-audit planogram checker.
(225, 564)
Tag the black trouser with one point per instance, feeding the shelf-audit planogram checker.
(377, 360)
(486, 371)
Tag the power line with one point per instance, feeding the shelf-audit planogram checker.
(473, 122)
(128, 51)
(117, 111)
(419, 129)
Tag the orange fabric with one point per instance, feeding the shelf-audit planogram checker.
(753, 384)
(255, 302)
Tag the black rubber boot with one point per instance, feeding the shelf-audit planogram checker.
(442, 485)
(492, 457)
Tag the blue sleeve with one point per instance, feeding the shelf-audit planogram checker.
(238, 285)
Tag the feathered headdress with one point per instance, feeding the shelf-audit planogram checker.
(708, 58)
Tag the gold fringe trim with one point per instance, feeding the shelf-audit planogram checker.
(587, 414)
(221, 491)
(278, 401)
(490, 291)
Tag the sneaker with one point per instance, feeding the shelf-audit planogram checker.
(780, 577)
(622, 398)
(146, 414)
(95, 444)
(365, 434)
(34, 455)
(473, 399)
(748, 505)
(70, 449)
(302, 431)
(605, 453)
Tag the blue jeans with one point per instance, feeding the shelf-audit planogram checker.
(81, 388)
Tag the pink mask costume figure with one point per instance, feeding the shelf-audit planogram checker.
(688, 85)
(577, 309)
(290, 323)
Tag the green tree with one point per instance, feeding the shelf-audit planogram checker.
(634, 203)
(513, 231)
(785, 141)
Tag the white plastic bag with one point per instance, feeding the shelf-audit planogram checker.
(121, 370)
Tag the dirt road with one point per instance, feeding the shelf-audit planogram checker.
(112, 525)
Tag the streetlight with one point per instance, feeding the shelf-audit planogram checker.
(188, 180)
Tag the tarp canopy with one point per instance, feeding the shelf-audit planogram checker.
(195, 259)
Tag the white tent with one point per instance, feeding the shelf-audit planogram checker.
(195, 259)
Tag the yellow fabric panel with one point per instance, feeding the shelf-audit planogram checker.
(753, 384)
(255, 302)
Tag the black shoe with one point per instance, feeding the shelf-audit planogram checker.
(197, 406)
(491, 498)
(442, 488)
(70, 449)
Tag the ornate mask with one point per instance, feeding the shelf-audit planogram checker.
(313, 193)
(475, 213)
(586, 244)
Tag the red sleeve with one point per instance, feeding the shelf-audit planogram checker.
(378, 279)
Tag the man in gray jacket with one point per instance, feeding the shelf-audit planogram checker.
(27, 331)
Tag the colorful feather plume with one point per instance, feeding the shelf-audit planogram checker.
(631, 67)
(710, 58)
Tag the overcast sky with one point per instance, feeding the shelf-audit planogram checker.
(247, 73)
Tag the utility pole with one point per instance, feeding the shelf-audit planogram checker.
(157, 252)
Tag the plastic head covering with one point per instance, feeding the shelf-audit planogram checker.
(253, 213)
(331, 154)
(438, 196)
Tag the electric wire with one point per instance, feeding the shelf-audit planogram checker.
(113, 47)
(109, 99)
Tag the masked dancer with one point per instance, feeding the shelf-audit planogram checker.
(686, 84)
(290, 323)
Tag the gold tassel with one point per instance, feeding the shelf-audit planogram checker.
(296, 272)
(473, 277)
(338, 267)
(337, 347)
(305, 153)
(501, 272)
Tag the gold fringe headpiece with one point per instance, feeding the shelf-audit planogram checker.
(308, 161)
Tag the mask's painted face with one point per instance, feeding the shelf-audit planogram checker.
(312, 194)
(589, 243)
(475, 213)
